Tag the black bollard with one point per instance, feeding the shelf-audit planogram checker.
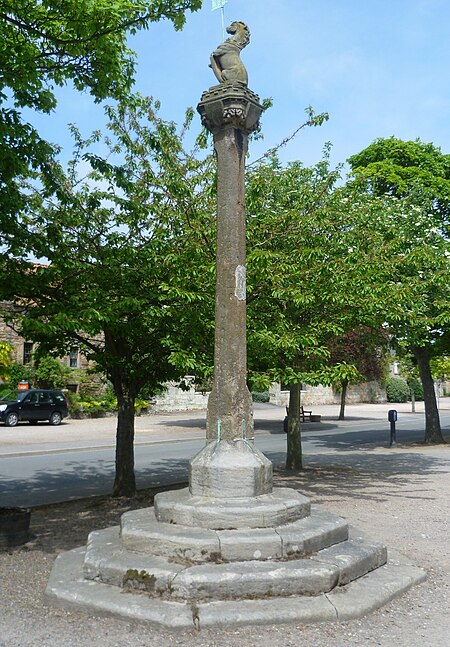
(392, 417)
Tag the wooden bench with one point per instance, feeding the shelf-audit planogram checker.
(303, 413)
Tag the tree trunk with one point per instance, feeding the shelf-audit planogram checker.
(125, 482)
(344, 385)
(433, 433)
(294, 440)
(413, 398)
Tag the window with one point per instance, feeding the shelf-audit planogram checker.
(27, 352)
(73, 359)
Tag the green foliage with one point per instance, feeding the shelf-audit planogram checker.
(260, 396)
(416, 178)
(137, 217)
(395, 167)
(365, 348)
(48, 44)
(440, 367)
(397, 390)
(317, 272)
(287, 314)
(83, 405)
(51, 373)
(131, 249)
(18, 373)
(140, 405)
(5, 359)
(416, 385)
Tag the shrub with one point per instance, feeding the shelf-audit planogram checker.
(260, 396)
(140, 405)
(417, 388)
(50, 373)
(397, 390)
(17, 373)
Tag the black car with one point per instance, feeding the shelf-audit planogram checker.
(33, 405)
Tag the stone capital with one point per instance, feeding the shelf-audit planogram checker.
(230, 105)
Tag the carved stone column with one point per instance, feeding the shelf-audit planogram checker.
(230, 111)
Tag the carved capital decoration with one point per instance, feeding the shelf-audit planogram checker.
(230, 104)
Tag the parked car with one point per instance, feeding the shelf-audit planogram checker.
(33, 405)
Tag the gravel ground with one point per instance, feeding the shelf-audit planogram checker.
(399, 496)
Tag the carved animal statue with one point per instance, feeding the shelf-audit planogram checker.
(225, 60)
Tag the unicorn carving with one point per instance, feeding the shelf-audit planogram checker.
(225, 60)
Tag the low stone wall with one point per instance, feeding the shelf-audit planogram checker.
(315, 395)
(176, 399)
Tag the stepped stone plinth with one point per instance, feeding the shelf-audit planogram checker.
(310, 570)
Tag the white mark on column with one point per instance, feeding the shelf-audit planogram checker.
(240, 286)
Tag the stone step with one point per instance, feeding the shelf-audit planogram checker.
(321, 573)
(281, 506)
(141, 532)
(251, 580)
(354, 558)
(107, 561)
(67, 587)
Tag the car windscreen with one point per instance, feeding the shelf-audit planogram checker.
(14, 396)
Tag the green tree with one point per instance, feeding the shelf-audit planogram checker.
(46, 45)
(311, 277)
(285, 331)
(361, 354)
(130, 272)
(419, 175)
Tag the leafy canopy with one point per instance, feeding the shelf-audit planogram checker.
(47, 44)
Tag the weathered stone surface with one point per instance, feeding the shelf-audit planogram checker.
(107, 561)
(354, 558)
(68, 588)
(250, 543)
(282, 506)
(230, 508)
(304, 610)
(141, 532)
(254, 579)
(230, 105)
(375, 589)
(312, 533)
(225, 60)
(226, 470)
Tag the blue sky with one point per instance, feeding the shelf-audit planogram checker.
(378, 67)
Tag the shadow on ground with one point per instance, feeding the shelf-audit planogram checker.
(363, 476)
(86, 480)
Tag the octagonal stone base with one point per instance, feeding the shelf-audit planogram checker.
(230, 469)
(281, 506)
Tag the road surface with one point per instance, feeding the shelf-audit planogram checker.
(42, 464)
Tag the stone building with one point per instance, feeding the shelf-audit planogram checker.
(22, 350)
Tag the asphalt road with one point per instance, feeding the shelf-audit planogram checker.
(42, 464)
